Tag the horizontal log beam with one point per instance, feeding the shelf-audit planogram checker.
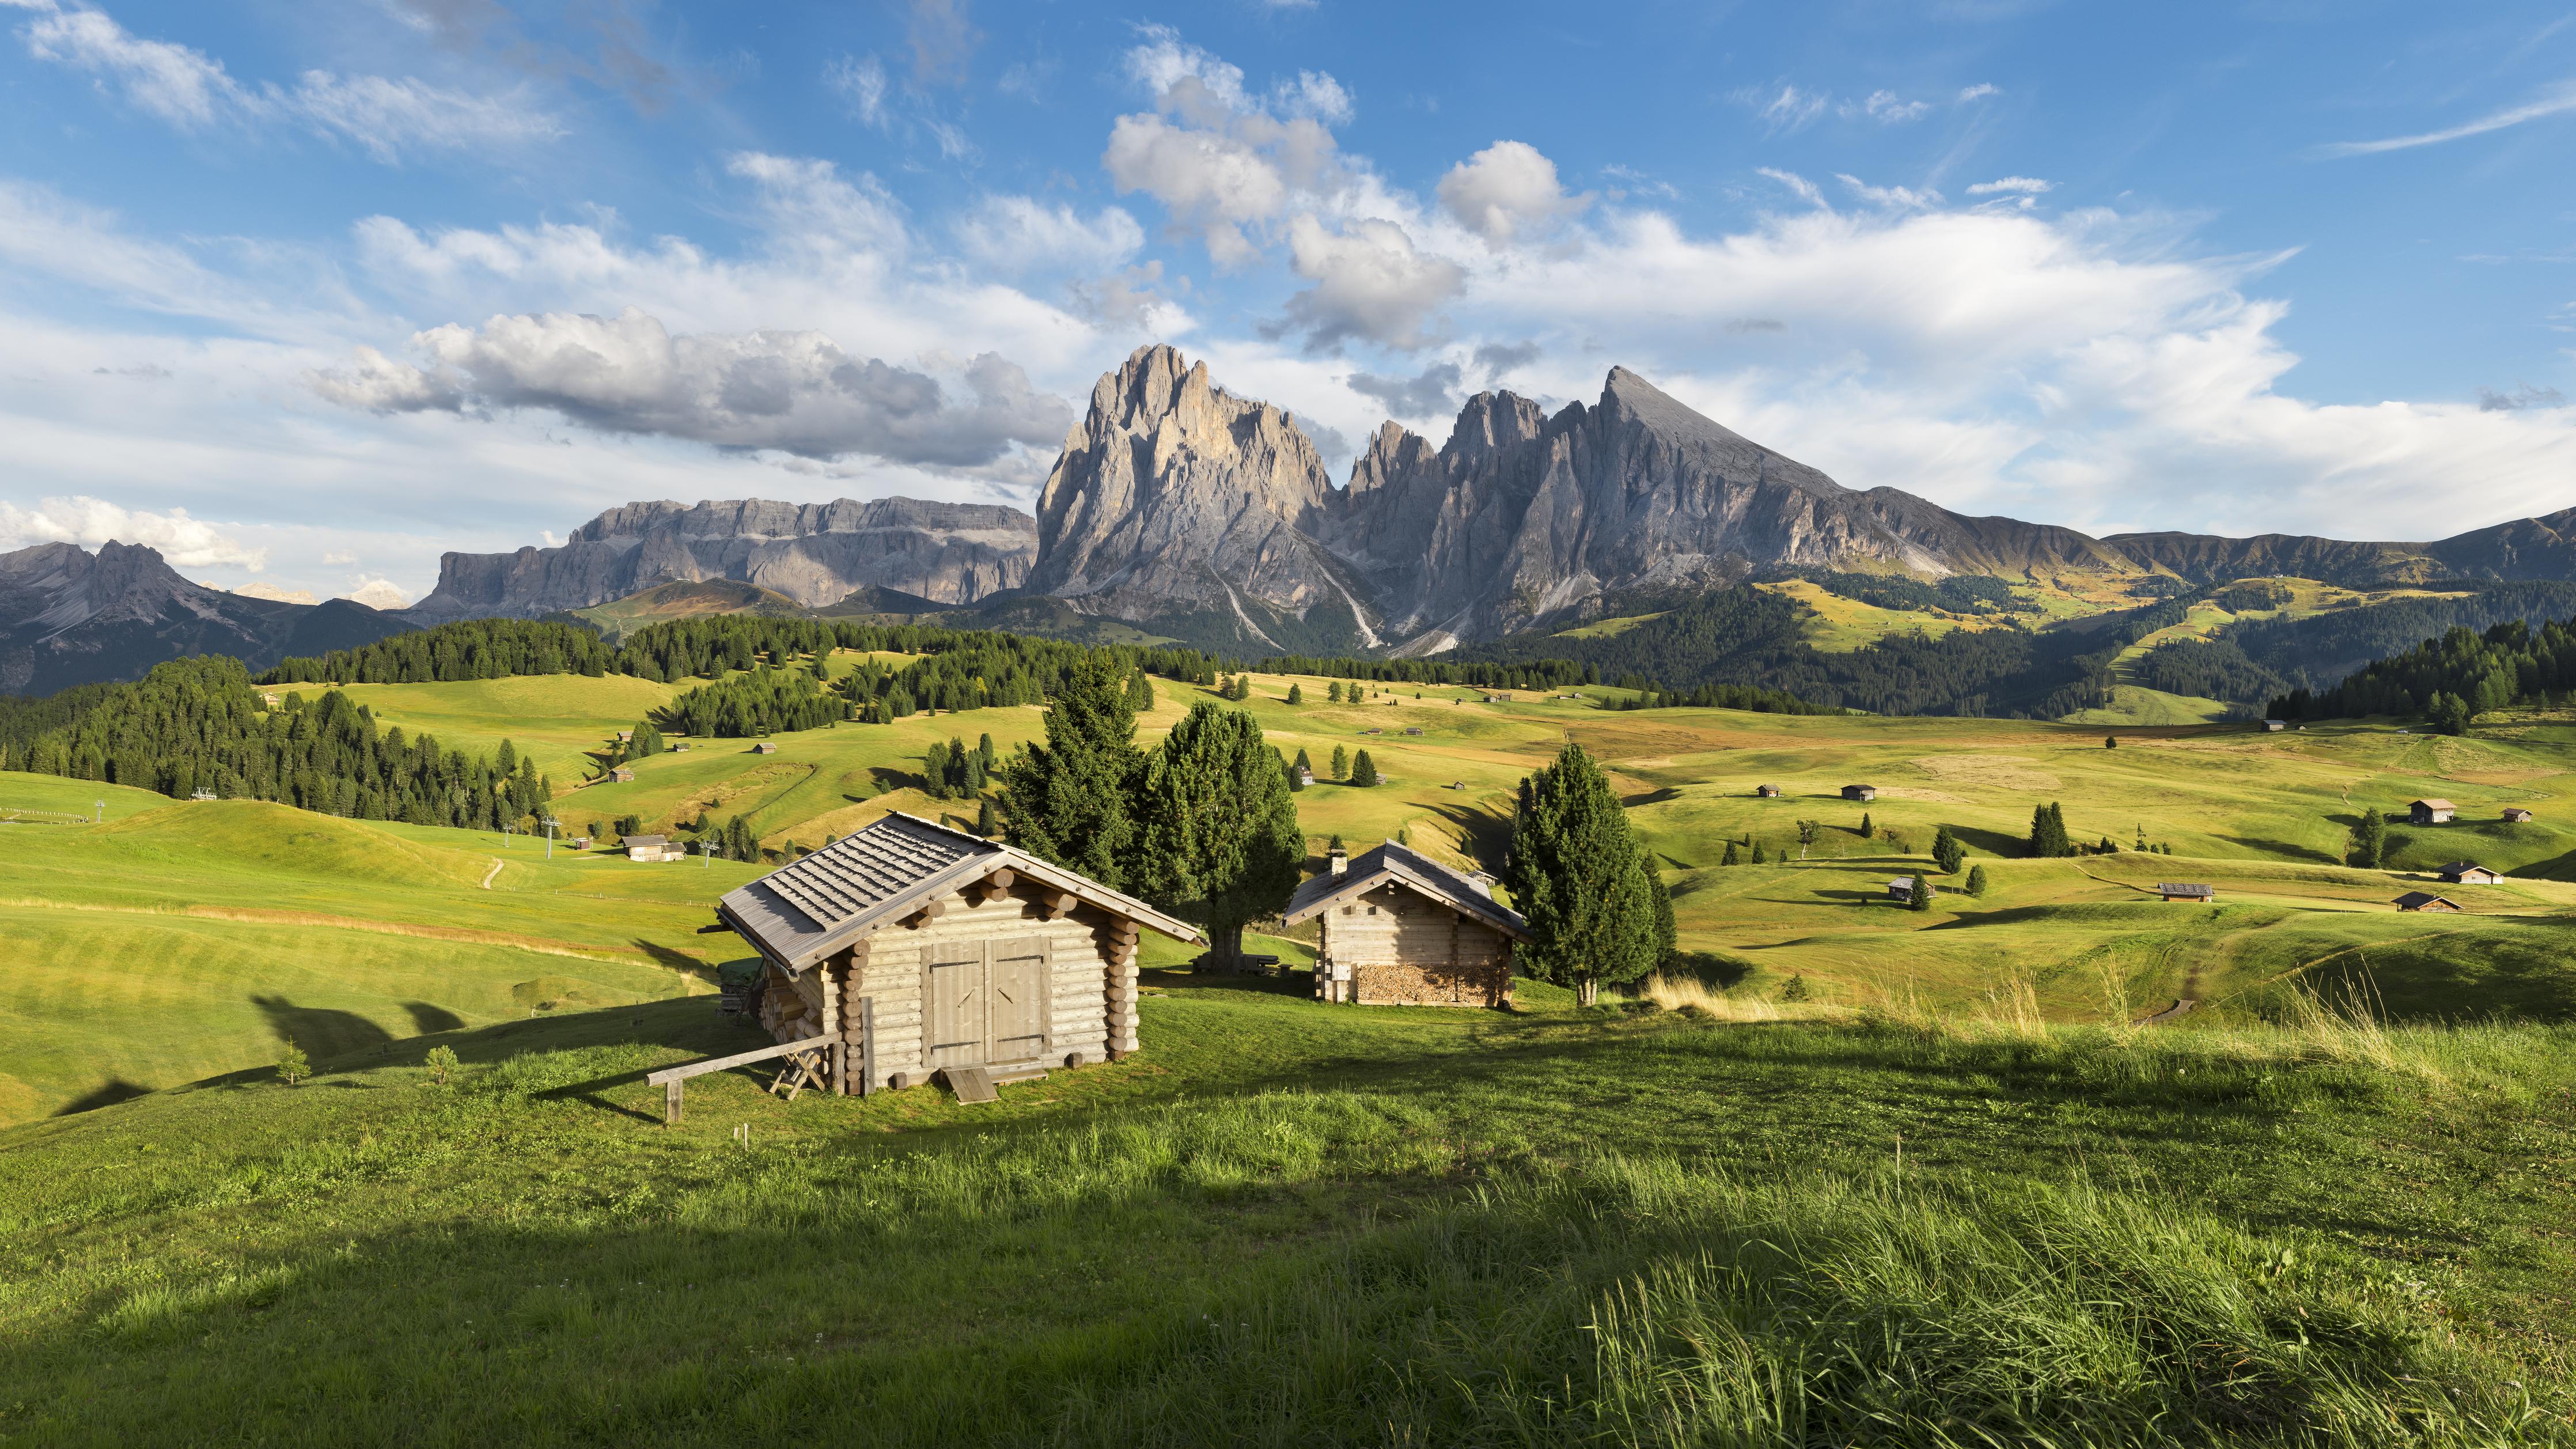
(739, 1059)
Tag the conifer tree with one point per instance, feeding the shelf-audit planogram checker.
(2367, 842)
(1341, 763)
(1580, 880)
(1296, 695)
(1217, 836)
(985, 820)
(934, 771)
(1140, 692)
(2048, 838)
(1976, 880)
(1731, 857)
(984, 751)
(1919, 896)
(1864, 825)
(1757, 854)
(1069, 801)
(1363, 769)
(1947, 851)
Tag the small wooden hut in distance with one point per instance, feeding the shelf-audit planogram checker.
(2468, 872)
(912, 948)
(1401, 929)
(1767, 792)
(2425, 901)
(2183, 890)
(2430, 812)
(2516, 815)
(1860, 792)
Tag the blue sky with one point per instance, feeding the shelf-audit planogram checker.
(305, 294)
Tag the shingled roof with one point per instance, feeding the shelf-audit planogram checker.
(800, 913)
(1393, 862)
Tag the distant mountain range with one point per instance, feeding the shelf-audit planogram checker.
(1179, 510)
(68, 616)
(1177, 505)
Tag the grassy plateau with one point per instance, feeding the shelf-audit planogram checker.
(1854, 1174)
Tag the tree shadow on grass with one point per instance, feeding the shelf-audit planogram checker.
(113, 1091)
(427, 1018)
(680, 961)
(1993, 842)
(1488, 835)
(320, 1030)
(2288, 849)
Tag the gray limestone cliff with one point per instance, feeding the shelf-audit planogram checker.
(814, 553)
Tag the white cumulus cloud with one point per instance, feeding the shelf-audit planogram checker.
(1370, 282)
(1504, 190)
(1019, 233)
(89, 522)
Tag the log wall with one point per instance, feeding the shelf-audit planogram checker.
(1396, 947)
(1091, 972)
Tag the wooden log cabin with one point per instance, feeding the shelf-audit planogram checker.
(1401, 929)
(913, 948)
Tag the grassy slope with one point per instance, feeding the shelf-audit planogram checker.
(198, 938)
(1293, 1223)
(557, 718)
(46, 799)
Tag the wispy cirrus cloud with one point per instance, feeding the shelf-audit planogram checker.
(2557, 101)
(385, 117)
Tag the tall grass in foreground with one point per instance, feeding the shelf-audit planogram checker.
(1633, 1303)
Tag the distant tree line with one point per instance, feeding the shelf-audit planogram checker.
(2452, 679)
(196, 724)
(2317, 651)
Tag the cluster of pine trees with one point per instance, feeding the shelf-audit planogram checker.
(2296, 649)
(195, 724)
(764, 701)
(476, 649)
(1202, 826)
(952, 771)
(2452, 679)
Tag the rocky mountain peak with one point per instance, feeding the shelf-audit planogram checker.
(1173, 495)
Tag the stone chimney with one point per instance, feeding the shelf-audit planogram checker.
(1337, 864)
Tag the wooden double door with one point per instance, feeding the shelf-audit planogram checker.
(985, 1002)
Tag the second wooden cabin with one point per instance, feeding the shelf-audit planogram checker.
(913, 948)
(1401, 929)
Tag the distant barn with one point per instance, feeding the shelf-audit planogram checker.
(1902, 889)
(2275, 726)
(1860, 792)
(1767, 792)
(2186, 891)
(2516, 815)
(1401, 929)
(911, 948)
(2430, 812)
(2425, 901)
(2465, 872)
(764, 748)
(622, 775)
(654, 847)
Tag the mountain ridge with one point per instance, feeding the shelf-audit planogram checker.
(69, 616)
(814, 553)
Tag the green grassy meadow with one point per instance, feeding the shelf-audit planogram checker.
(1945, 1190)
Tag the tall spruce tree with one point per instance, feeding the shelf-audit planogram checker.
(1364, 769)
(1947, 851)
(1070, 800)
(1579, 879)
(2048, 838)
(1217, 836)
(2368, 842)
(1918, 895)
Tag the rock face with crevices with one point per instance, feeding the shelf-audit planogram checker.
(815, 553)
(1175, 499)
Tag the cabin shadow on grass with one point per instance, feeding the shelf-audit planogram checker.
(108, 1094)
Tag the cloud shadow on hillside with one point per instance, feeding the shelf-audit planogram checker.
(320, 1030)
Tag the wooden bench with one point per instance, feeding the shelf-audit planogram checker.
(670, 1078)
